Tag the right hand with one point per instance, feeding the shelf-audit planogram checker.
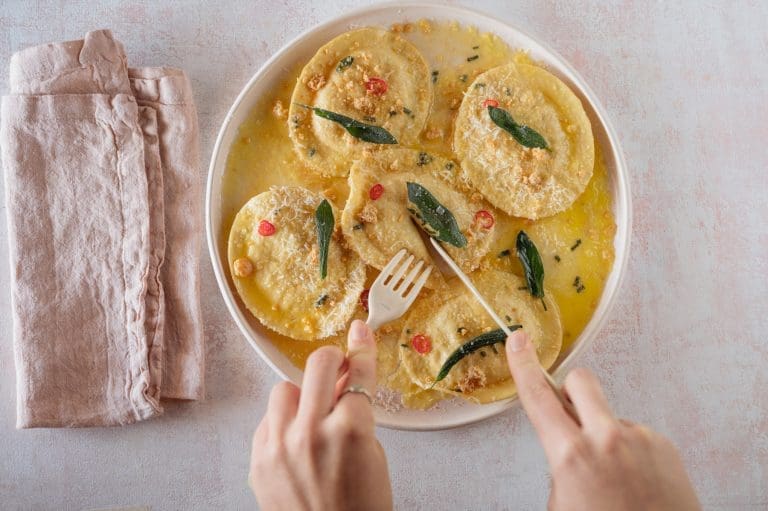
(606, 463)
(316, 447)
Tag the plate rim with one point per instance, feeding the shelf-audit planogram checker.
(621, 188)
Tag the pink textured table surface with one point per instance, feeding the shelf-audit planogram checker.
(687, 89)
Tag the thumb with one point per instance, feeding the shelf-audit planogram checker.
(521, 354)
(361, 354)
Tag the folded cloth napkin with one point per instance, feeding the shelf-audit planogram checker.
(102, 195)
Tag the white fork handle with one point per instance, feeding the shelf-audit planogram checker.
(372, 323)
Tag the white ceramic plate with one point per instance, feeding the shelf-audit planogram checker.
(299, 50)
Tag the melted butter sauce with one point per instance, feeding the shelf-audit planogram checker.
(263, 156)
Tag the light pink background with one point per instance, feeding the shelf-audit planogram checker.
(684, 351)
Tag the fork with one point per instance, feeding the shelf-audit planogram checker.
(393, 291)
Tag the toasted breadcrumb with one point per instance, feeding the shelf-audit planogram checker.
(473, 380)
(316, 82)
(278, 110)
(433, 133)
(399, 28)
(365, 104)
(369, 214)
(242, 267)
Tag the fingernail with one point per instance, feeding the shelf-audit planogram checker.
(517, 341)
(358, 331)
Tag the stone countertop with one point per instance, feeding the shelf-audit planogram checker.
(686, 86)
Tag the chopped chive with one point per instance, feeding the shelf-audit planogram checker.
(476, 47)
(345, 63)
(509, 320)
(479, 85)
(463, 78)
(321, 301)
(504, 253)
(473, 57)
(434, 76)
(576, 245)
(557, 258)
(424, 159)
(404, 346)
(311, 152)
(449, 165)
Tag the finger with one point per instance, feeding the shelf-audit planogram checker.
(642, 429)
(342, 381)
(260, 435)
(282, 407)
(553, 425)
(317, 386)
(587, 396)
(361, 354)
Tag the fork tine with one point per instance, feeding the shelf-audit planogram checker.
(414, 292)
(387, 270)
(400, 271)
(409, 278)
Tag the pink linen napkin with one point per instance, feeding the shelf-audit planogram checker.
(101, 190)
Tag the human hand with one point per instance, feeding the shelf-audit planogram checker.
(604, 464)
(316, 447)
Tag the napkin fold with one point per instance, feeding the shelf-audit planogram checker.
(102, 194)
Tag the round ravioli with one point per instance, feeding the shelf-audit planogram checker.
(524, 181)
(275, 265)
(434, 330)
(376, 221)
(370, 75)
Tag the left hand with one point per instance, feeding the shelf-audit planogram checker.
(316, 446)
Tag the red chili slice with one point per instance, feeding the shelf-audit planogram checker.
(376, 191)
(485, 219)
(364, 299)
(421, 344)
(376, 86)
(266, 228)
(490, 102)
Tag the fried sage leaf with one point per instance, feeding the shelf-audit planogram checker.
(365, 132)
(525, 135)
(324, 221)
(532, 266)
(433, 217)
(481, 341)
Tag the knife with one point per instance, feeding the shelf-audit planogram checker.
(567, 405)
